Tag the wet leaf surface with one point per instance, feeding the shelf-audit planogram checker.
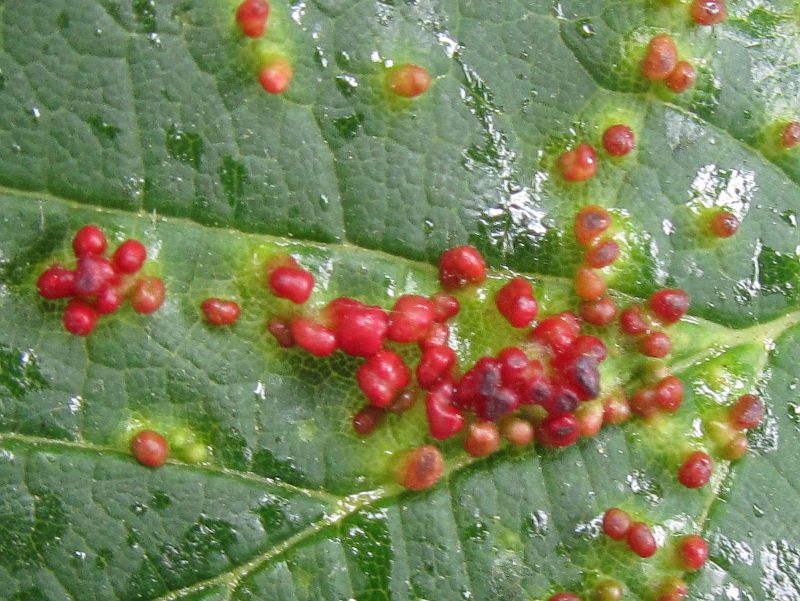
(147, 118)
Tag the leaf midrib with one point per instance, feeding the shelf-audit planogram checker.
(767, 329)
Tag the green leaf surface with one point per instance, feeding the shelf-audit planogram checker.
(146, 118)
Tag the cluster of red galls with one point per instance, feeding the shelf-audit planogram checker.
(691, 554)
(694, 472)
(99, 285)
(698, 467)
(665, 306)
(617, 524)
(495, 387)
(601, 251)
(691, 550)
(557, 371)
(728, 433)
(661, 62)
(276, 73)
(619, 140)
(562, 375)
(673, 589)
(580, 163)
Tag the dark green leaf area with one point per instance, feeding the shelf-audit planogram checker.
(147, 119)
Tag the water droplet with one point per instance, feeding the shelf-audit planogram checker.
(590, 529)
(537, 523)
(642, 484)
(346, 84)
(138, 508)
(102, 128)
(450, 44)
(161, 500)
(790, 217)
(134, 186)
(780, 570)
(19, 372)
(343, 58)
(477, 531)
(319, 57)
(729, 551)
(732, 189)
(297, 11)
(75, 404)
(793, 410)
(348, 126)
(145, 13)
(585, 28)
(184, 146)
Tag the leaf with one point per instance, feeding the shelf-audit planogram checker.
(146, 118)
